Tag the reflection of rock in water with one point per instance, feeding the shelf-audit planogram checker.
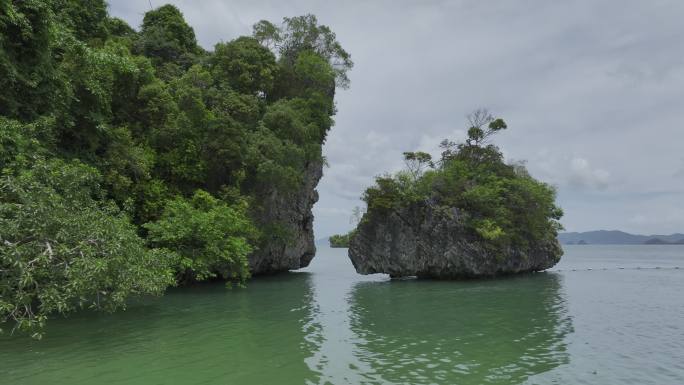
(497, 332)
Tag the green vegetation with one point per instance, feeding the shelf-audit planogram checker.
(341, 240)
(500, 204)
(131, 161)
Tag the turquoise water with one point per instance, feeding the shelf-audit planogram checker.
(604, 315)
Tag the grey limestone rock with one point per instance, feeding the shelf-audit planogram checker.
(432, 242)
(292, 214)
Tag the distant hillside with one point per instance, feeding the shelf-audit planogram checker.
(659, 241)
(599, 237)
(615, 237)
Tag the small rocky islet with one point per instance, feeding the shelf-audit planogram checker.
(428, 242)
(468, 215)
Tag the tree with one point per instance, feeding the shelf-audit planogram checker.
(482, 126)
(87, 20)
(119, 28)
(29, 78)
(167, 38)
(301, 34)
(244, 65)
(209, 237)
(61, 250)
(417, 162)
(267, 34)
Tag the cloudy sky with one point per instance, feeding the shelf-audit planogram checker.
(592, 91)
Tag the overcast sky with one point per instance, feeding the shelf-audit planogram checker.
(592, 91)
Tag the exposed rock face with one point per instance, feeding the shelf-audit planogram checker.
(291, 246)
(432, 242)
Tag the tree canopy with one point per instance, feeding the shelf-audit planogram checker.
(134, 160)
(304, 34)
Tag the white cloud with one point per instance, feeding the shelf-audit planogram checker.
(660, 219)
(583, 175)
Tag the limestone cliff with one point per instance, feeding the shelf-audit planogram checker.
(288, 219)
(426, 241)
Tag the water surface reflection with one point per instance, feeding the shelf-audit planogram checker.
(373, 330)
(423, 332)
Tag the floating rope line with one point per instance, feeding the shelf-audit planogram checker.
(619, 268)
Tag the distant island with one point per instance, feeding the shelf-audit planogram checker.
(340, 240)
(616, 237)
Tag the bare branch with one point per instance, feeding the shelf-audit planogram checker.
(480, 118)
